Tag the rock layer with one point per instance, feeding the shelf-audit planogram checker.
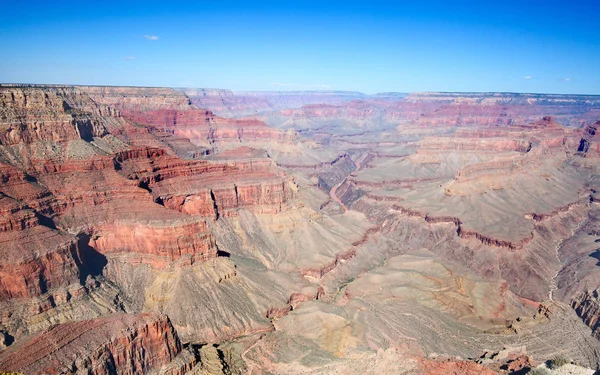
(119, 344)
(587, 306)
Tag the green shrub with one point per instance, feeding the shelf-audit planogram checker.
(558, 361)
(539, 371)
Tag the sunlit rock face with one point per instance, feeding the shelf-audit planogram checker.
(120, 343)
(174, 112)
(154, 230)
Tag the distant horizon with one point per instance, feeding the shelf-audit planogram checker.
(19, 84)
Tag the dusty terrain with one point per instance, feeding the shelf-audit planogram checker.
(200, 231)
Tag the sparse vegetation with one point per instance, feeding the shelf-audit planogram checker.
(539, 371)
(558, 361)
(346, 283)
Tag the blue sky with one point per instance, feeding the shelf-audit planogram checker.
(369, 46)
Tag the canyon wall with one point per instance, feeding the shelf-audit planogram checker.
(243, 103)
(174, 112)
(155, 230)
(93, 193)
(587, 307)
(118, 344)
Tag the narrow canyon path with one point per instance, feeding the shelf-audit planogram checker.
(553, 282)
(332, 192)
(335, 198)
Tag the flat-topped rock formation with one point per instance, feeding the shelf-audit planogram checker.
(242, 103)
(428, 111)
(29, 115)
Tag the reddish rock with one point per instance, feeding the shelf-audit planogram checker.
(137, 195)
(278, 312)
(169, 241)
(211, 188)
(453, 367)
(319, 272)
(520, 363)
(35, 260)
(28, 115)
(173, 111)
(140, 198)
(119, 344)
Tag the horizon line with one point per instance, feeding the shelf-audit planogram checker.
(14, 84)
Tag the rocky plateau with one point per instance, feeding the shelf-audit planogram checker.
(205, 231)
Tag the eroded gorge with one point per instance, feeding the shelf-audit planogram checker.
(202, 231)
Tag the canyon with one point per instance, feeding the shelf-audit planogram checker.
(205, 231)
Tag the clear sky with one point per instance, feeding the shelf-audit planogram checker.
(369, 46)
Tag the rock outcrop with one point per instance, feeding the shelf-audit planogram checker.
(118, 344)
(587, 306)
(29, 114)
(589, 145)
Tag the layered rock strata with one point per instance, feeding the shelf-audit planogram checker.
(118, 344)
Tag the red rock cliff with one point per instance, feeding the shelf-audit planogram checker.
(119, 344)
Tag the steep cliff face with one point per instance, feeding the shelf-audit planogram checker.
(212, 189)
(334, 173)
(118, 344)
(58, 114)
(589, 145)
(153, 243)
(587, 306)
(36, 260)
(121, 216)
(83, 207)
(143, 99)
(35, 256)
